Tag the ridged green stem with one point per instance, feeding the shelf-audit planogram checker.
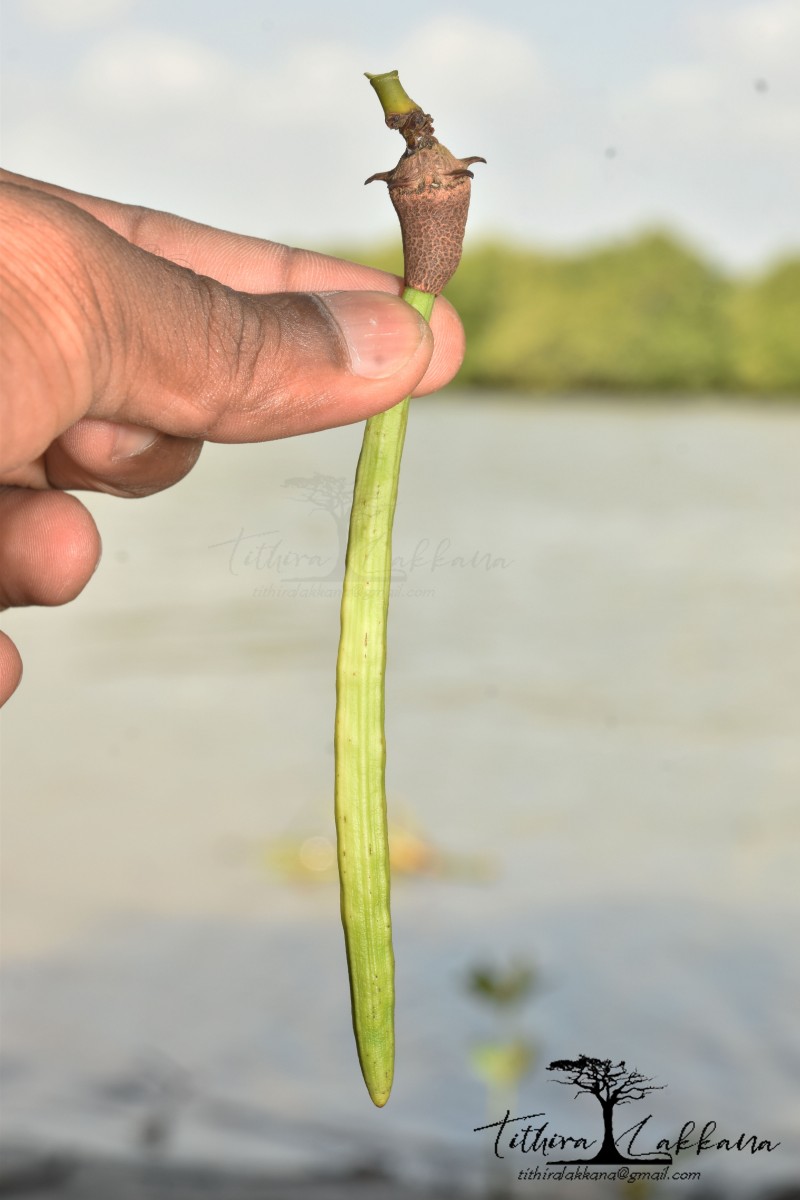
(360, 744)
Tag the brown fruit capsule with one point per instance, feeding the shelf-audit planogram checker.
(430, 191)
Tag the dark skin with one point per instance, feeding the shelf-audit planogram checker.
(129, 337)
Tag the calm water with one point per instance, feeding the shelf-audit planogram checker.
(594, 684)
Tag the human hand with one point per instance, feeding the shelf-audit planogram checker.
(132, 336)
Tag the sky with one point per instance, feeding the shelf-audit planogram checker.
(598, 118)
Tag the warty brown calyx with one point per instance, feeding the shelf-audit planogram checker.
(430, 190)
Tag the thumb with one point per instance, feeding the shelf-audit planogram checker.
(132, 337)
(220, 365)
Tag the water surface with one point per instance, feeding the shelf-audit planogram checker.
(594, 683)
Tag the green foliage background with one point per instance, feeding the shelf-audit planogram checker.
(645, 315)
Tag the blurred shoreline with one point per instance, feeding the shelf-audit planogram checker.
(644, 317)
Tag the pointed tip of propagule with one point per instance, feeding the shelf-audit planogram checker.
(379, 1080)
(379, 1098)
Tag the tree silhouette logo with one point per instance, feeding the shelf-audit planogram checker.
(612, 1085)
(332, 495)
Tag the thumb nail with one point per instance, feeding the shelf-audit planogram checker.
(382, 332)
(130, 440)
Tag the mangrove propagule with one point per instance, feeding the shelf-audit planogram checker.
(430, 190)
